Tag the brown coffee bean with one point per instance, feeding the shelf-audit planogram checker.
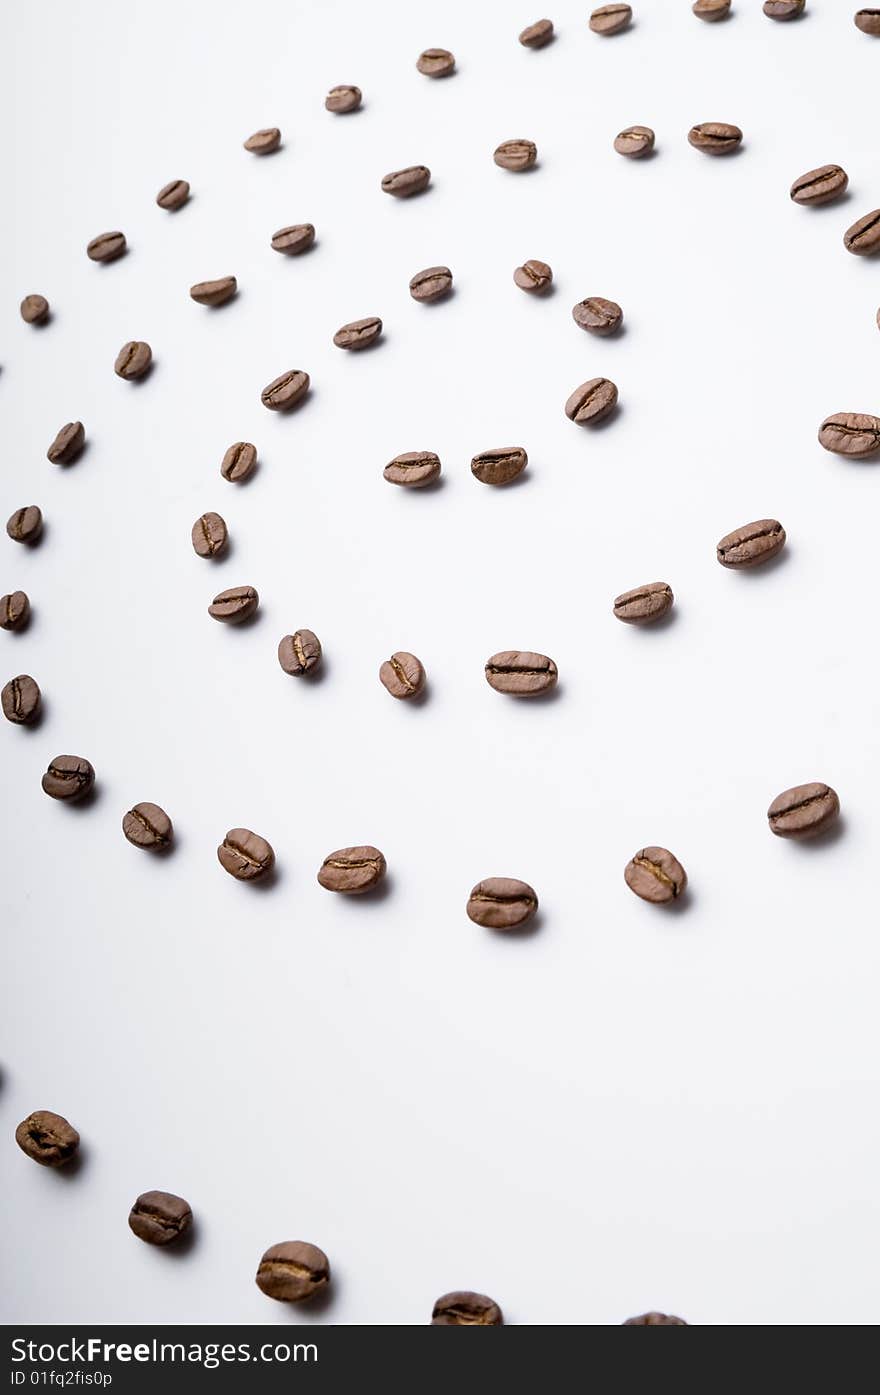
(715, 137)
(404, 183)
(239, 462)
(538, 34)
(820, 185)
(850, 433)
(160, 1218)
(436, 62)
(299, 653)
(173, 195)
(299, 237)
(214, 292)
(533, 276)
(863, 238)
(644, 604)
(655, 1319)
(47, 1138)
(752, 544)
(804, 811)
(264, 142)
(359, 334)
(15, 611)
(67, 444)
(68, 777)
(25, 525)
(34, 309)
(635, 142)
(209, 535)
(516, 155)
(245, 855)
(610, 19)
(403, 675)
(133, 360)
(431, 284)
(521, 673)
(343, 99)
(293, 1272)
(597, 315)
(500, 465)
(234, 605)
(592, 402)
(148, 826)
(465, 1309)
(285, 391)
(502, 903)
(656, 876)
(783, 9)
(106, 247)
(711, 9)
(413, 469)
(20, 700)
(868, 21)
(352, 870)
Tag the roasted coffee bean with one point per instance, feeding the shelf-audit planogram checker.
(464, 1309)
(644, 604)
(635, 142)
(293, 1271)
(783, 9)
(655, 875)
(68, 777)
(516, 155)
(403, 675)
(850, 433)
(711, 9)
(47, 1138)
(863, 238)
(500, 465)
(15, 611)
(436, 62)
(431, 284)
(359, 334)
(133, 360)
(610, 19)
(34, 309)
(352, 870)
(67, 444)
(299, 653)
(148, 826)
(715, 137)
(521, 673)
(655, 1320)
(25, 525)
(285, 391)
(803, 811)
(404, 183)
(343, 99)
(245, 855)
(239, 462)
(173, 195)
(538, 34)
(234, 605)
(295, 239)
(820, 185)
(160, 1218)
(597, 315)
(868, 21)
(106, 247)
(263, 142)
(209, 535)
(533, 276)
(20, 700)
(214, 292)
(502, 903)
(751, 544)
(413, 469)
(592, 402)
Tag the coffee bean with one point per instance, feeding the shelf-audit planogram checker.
(343, 99)
(234, 605)
(352, 870)
(820, 185)
(521, 673)
(299, 653)
(868, 21)
(15, 611)
(106, 247)
(610, 19)
(245, 855)
(148, 826)
(263, 142)
(133, 360)
(655, 1320)
(285, 391)
(592, 402)
(516, 155)
(715, 137)
(47, 1138)
(67, 444)
(413, 469)
(783, 9)
(404, 183)
(751, 544)
(644, 604)
(68, 777)
(295, 239)
(533, 276)
(538, 34)
(711, 9)
(239, 461)
(464, 1309)
(293, 1271)
(160, 1218)
(359, 334)
(655, 875)
(209, 535)
(803, 811)
(431, 284)
(25, 525)
(35, 309)
(214, 292)
(174, 195)
(635, 142)
(597, 315)
(500, 465)
(436, 62)
(863, 238)
(502, 903)
(20, 700)
(850, 433)
(403, 675)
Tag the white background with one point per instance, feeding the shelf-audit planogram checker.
(629, 1108)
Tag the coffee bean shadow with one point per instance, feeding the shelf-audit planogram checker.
(315, 677)
(682, 905)
(267, 882)
(86, 801)
(163, 853)
(845, 197)
(143, 378)
(374, 897)
(230, 300)
(613, 416)
(517, 482)
(313, 1309)
(23, 629)
(36, 722)
(71, 1170)
(420, 699)
(645, 159)
(68, 465)
(249, 622)
(430, 488)
(826, 839)
(112, 261)
(664, 622)
(242, 484)
(540, 699)
(228, 551)
(180, 1250)
(531, 927)
(35, 542)
(298, 406)
(752, 575)
(43, 324)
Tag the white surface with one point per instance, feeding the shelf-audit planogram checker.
(629, 1108)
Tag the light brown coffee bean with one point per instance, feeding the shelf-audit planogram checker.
(68, 444)
(352, 870)
(20, 700)
(863, 238)
(516, 155)
(644, 604)
(234, 605)
(533, 276)
(804, 811)
(209, 535)
(299, 653)
(160, 1218)
(783, 9)
(293, 1272)
(538, 34)
(521, 673)
(133, 360)
(47, 1138)
(359, 334)
(597, 315)
(711, 9)
(413, 469)
(465, 1309)
(148, 826)
(106, 247)
(404, 183)
(868, 21)
(431, 284)
(610, 19)
(635, 142)
(499, 465)
(592, 402)
(299, 237)
(68, 777)
(850, 433)
(502, 903)
(214, 292)
(15, 611)
(239, 462)
(715, 137)
(343, 99)
(820, 185)
(752, 544)
(245, 855)
(436, 62)
(173, 195)
(403, 675)
(656, 876)
(25, 525)
(286, 390)
(264, 142)
(655, 1319)
(35, 309)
